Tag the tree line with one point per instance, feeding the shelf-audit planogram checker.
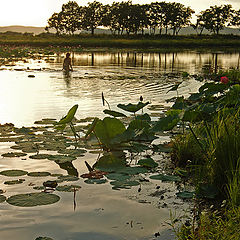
(125, 17)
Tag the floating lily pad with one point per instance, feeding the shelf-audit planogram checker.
(39, 156)
(2, 198)
(68, 178)
(61, 158)
(13, 173)
(73, 152)
(123, 184)
(38, 187)
(170, 178)
(118, 176)
(147, 162)
(132, 107)
(43, 238)
(46, 121)
(51, 184)
(14, 154)
(95, 181)
(38, 174)
(133, 170)
(68, 188)
(185, 195)
(33, 199)
(19, 181)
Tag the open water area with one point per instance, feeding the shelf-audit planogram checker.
(35, 89)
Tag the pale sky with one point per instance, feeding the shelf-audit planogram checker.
(37, 12)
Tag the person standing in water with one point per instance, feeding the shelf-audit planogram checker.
(67, 63)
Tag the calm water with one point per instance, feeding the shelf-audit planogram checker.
(101, 213)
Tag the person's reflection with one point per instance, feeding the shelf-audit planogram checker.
(68, 166)
(67, 78)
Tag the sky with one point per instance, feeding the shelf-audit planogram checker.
(37, 12)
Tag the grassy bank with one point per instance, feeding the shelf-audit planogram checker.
(107, 41)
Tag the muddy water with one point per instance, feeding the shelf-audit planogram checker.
(99, 213)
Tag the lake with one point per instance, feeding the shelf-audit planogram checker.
(34, 89)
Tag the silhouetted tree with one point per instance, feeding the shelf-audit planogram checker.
(92, 16)
(235, 21)
(217, 17)
(55, 21)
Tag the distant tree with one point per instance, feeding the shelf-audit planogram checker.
(235, 21)
(55, 21)
(180, 17)
(92, 16)
(71, 17)
(217, 17)
(200, 24)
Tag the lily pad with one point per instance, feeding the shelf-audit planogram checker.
(73, 152)
(40, 156)
(114, 113)
(43, 238)
(33, 199)
(46, 121)
(14, 154)
(38, 187)
(2, 198)
(185, 195)
(118, 176)
(61, 158)
(133, 170)
(68, 188)
(13, 173)
(19, 181)
(50, 184)
(95, 181)
(147, 162)
(132, 107)
(169, 178)
(68, 178)
(123, 184)
(38, 174)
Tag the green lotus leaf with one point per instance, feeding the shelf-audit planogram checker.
(161, 148)
(68, 188)
(2, 198)
(14, 154)
(13, 173)
(38, 187)
(61, 158)
(144, 117)
(123, 184)
(33, 199)
(46, 121)
(38, 174)
(69, 117)
(19, 181)
(147, 162)
(73, 152)
(10, 139)
(169, 178)
(118, 176)
(132, 107)
(68, 178)
(95, 181)
(174, 87)
(23, 130)
(133, 170)
(207, 191)
(40, 156)
(185, 195)
(114, 113)
(43, 238)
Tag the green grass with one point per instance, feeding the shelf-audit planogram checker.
(109, 41)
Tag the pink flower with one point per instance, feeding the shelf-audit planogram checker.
(224, 80)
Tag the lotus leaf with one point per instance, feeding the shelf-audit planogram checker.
(144, 117)
(38, 187)
(133, 170)
(43, 238)
(61, 158)
(39, 156)
(174, 87)
(170, 178)
(95, 174)
(23, 130)
(2, 198)
(13, 173)
(19, 181)
(10, 139)
(46, 121)
(114, 113)
(70, 115)
(107, 129)
(95, 181)
(73, 152)
(123, 184)
(118, 176)
(132, 107)
(68, 188)
(33, 199)
(68, 178)
(161, 148)
(207, 191)
(38, 174)
(14, 154)
(147, 162)
(185, 195)
(50, 184)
